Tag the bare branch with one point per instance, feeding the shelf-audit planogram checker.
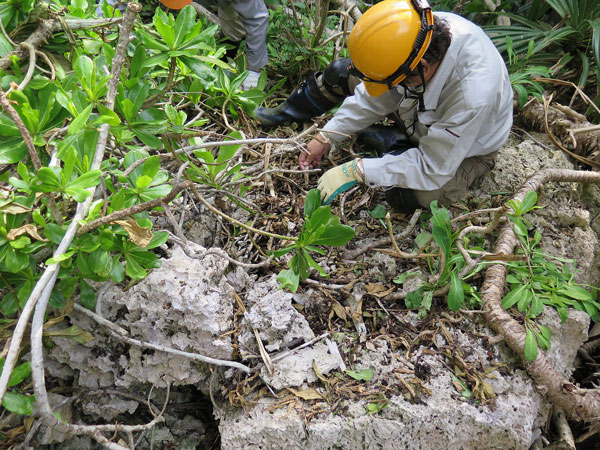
(117, 332)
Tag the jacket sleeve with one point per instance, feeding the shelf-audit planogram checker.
(439, 154)
(359, 111)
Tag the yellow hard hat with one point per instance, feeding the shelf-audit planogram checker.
(176, 4)
(388, 42)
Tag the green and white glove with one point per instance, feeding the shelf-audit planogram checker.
(340, 179)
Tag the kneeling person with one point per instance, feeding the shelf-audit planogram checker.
(442, 80)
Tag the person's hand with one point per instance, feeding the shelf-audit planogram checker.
(340, 179)
(311, 157)
(251, 80)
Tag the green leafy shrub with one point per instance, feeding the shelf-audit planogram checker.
(561, 35)
(538, 281)
(321, 228)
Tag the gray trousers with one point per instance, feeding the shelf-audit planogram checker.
(240, 19)
(247, 19)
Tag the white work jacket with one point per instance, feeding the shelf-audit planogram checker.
(468, 112)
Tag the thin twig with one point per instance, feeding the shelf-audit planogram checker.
(261, 347)
(14, 115)
(237, 222)
(287, 353)
(352, 255)
(388, 221)
(135, 208)
(216, 251)
(31, 66)
(172, 351)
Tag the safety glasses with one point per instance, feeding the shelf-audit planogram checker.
(419, 49)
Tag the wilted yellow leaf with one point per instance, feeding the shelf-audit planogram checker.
(306, 394)
(379, 290)
(73, 332)
(29, 229)
(14, 208)
(139, 236)
(339, 310)
(318, 372)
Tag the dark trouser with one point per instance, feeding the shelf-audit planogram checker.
(407, 201)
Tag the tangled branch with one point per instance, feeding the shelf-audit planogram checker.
(581, 403)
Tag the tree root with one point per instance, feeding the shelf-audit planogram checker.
(583, 404)
(566, 126)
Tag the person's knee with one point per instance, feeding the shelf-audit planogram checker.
(336, 78)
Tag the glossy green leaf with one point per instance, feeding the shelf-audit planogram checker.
(15, 260)
(54, 233)
(78, 194)
(106, 116)
(524, 300)
(159, 238)
(575, 292)
(87, 180)
(299, 265)
(133, 268)
(60, 258)
(284, 251)
(9, 304)
(87, 295)
(529, 201)
(456, 295)
(57, 299)
(18, 403)
(80, 120)
(311, 203)
(312, 263)
(19, 374)
(164, 26)
(543, 337)
(513, 296)
(537, 306)
(147, 138)
(379, 212)
(531, 348)
(185, 22)
(117, 273)
(142, 182)
(12, 150)
(101, 262)
(289, 280)
(47, 180)
(360, 375)
(335, 235)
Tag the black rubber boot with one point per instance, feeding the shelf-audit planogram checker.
(384, 139)
(303, 104)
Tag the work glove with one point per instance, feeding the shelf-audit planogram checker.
(340, 179)
(251, 80)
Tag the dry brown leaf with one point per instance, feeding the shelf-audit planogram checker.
(339, 310)
(306, 394)
(379, 290)
(14, 208)
(318, 372)
(139, 236)
(29, 229)
(374, 288)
